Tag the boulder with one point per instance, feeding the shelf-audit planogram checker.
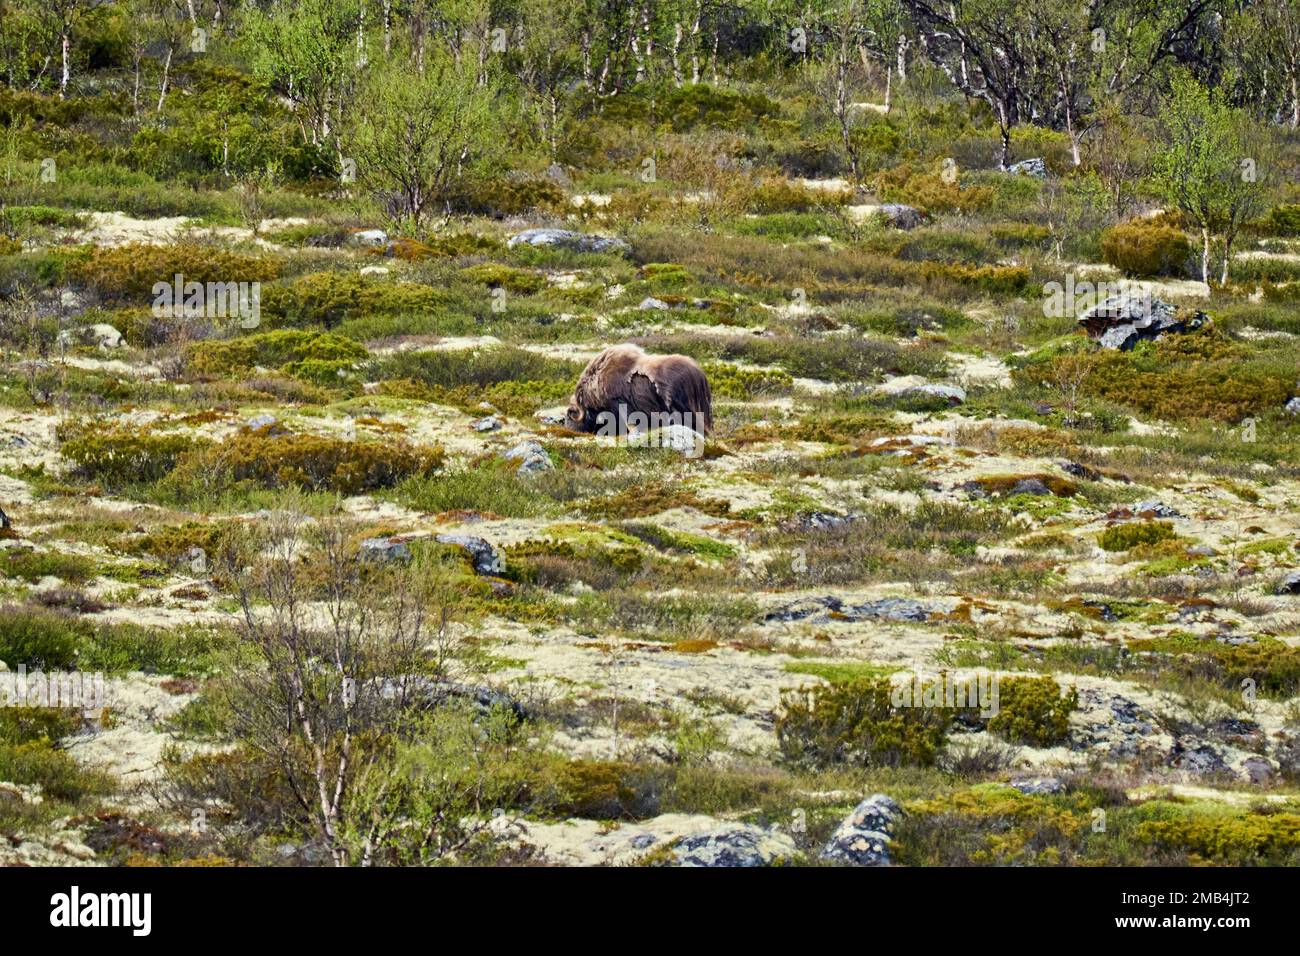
(485, 558)
(567, 239)
(370, 237)
(900, 216)
(1038, 786)
(953, 394)
(384, 549)
(1292, 407)
(1289, 584)
(1030, 486)
(1123, 320)
(679, 438)
(1154, 509)
(489, 424)
(733, 844)
(1035, 167)
(651, 304)
(863, 837)
(101, 335)
(832, 608)
(531, 456)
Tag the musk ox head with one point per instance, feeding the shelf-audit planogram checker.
(624, 389)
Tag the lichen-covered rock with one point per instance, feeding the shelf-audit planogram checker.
(485, 558)
(1289, 584)
(863, 837)
(900, 216)
(833, 608)
(1123, 320)
(1035, 167)
(100, 335)
(567, 239)
(384, 549)
(531, 456)
(734, 844)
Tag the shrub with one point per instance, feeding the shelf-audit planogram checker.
(857, 724)
(495, 275)
(929, 191)
(124, 456)
(129, 272)
(1131, 534)
(327, 298)
(731, 381)
(310, 462)
(1145, 249)
(1285, 219)
(1031, 710)
(277, 349)
(20, 725)
(38, 638)
(1268, 838)
(512, 197)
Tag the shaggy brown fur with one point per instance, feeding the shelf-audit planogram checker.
(624, 380)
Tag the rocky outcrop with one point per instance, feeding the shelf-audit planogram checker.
(1121, 321)
(864, 836)
(733, 844)
(485, 558)
(567, 239)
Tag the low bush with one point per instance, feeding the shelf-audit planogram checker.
(264, 458)
(1032, 710)
(857, 724)
(1146, 249)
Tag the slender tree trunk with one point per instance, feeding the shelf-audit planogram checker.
(166, 77)
(677, 46)
(1205, 254)
(65, 40)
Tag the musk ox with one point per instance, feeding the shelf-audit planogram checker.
(624, 389)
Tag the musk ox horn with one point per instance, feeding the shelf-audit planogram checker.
(623, 381)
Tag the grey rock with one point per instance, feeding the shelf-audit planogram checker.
(531, 456)
(384, 549)
(1029, 167)
(1201, 551)
(1038, 786)
(1198, 759)
(567, 239)
(260, 421)
(1155, 509)
(955, 394)
(101, 335)
(489, 424)
(1292, 407)
(863, 837)
(370, 237)
(651, 304)
(422, 691)
(1289, 584)
(1257, 770)
(733, 844)
(485, 558)
(1030, 486)
(1123, 320)
(832, 608)
(72, 301)
(902, 217)
(819, 521)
